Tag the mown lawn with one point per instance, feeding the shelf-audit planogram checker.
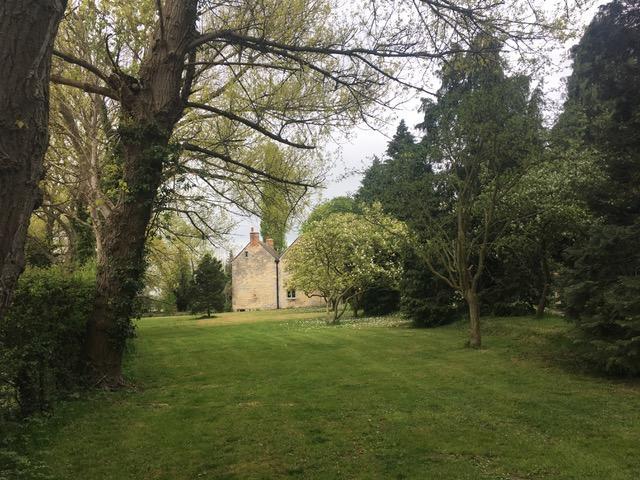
(240, 397)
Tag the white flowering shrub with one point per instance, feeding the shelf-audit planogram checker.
(339, 256)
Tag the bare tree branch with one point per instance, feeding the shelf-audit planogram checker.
(227, 159)
(87, 87)
(249, 123)
(84, 64)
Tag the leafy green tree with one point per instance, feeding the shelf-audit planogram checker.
(601, 109)
(170, 264)
(545, 215)
(228, 288)
(403, 183)
(601, 120)
(280, 202)
(274, 217)
(602, 296)
(344, 254)
(425, 299)
(378, 298)
(398, 181)
(208, 286)
(182, 290)
(334, 206)
(483, 132)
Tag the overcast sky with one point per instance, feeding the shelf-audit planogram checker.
(356, 152)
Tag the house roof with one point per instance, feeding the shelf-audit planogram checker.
(289, 247)
(270, 249)
(264, 245)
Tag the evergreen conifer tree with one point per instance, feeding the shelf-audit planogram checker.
(602, 283)
(208, 285)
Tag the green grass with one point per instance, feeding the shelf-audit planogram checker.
(240, 397)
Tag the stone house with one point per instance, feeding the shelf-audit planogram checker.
(259, 279)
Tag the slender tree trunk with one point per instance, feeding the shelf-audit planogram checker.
(473, 302)
(27, 31)
(332, 311)
(546, 275)
(542, 303)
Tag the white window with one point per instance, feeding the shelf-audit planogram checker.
(291, 294)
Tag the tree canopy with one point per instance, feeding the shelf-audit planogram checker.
(331, 207)
(481, 134)
(342, 255)
(601, 122)
(209, 281)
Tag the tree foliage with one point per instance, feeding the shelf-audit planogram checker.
(398, 181)
(169, 273)
(482, 133)
(42, 337)
(344, 254)
(330, 207)
(279, 203)
(543, 216)
(379, 298)
(209, 281)
(404, 184)
(601, 121)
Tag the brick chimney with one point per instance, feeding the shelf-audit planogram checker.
(254, 237)
(269, 241)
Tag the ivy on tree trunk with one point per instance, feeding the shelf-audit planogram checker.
(151, 106)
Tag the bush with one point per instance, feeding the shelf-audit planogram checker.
(511, 285)
(15, 461)
(425, 299)
(42, 337)
(380, 300)
(601, 295)
(512, 309)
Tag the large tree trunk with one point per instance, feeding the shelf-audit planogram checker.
(473, 302)
(27, 31)
(150, 108)
(121, 262)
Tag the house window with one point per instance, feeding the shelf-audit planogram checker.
(246, 254)
(291, 294)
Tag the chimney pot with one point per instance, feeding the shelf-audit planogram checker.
(254, 237)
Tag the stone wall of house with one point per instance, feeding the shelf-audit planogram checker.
(254, 279)
(300, 300)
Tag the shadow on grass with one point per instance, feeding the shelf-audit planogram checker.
(551, 341)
